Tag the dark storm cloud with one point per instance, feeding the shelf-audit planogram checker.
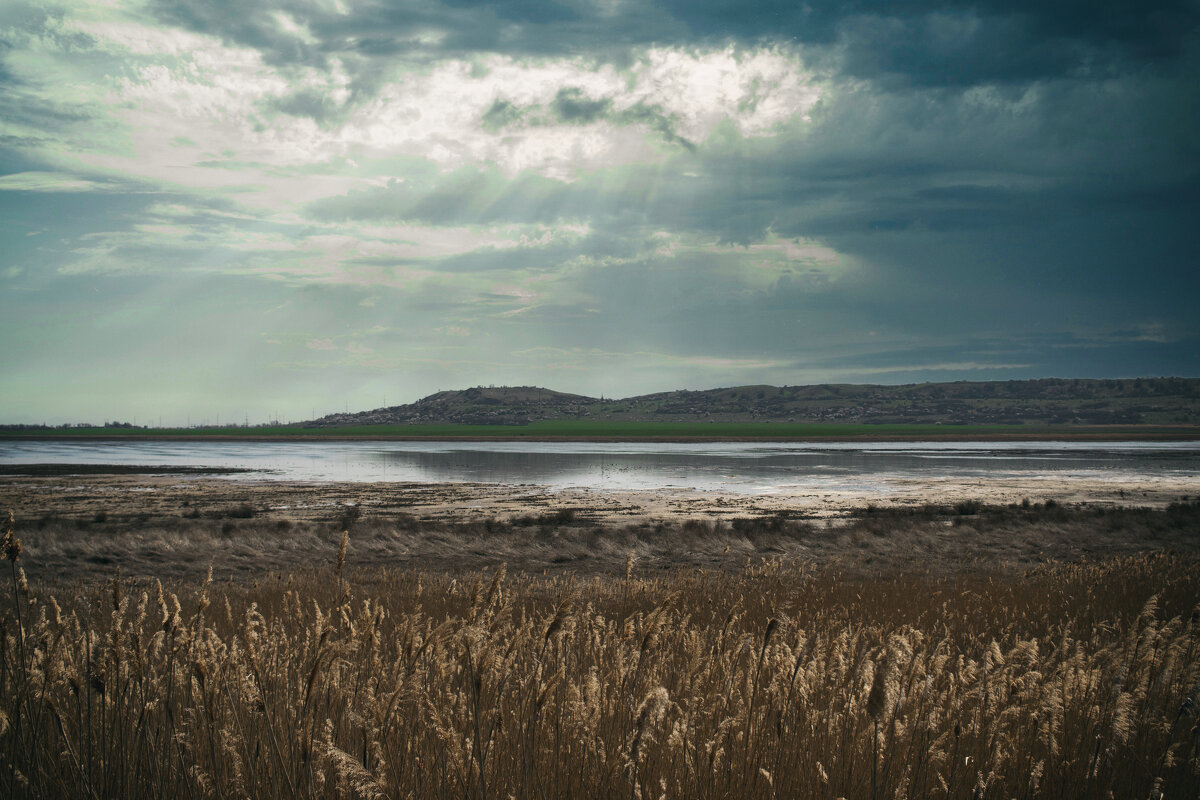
(654, 118)
(387, 30)
(1140, 30)
(545, 12)
(955, 49)
(20, 104)
(251, 25)
(935, 158)
(500, 115)
(310, 103)
(921, 42)
(1010, 207)
(573, 107)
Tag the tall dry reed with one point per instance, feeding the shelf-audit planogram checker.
(781, 680)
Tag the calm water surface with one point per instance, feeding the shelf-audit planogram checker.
(749, 467)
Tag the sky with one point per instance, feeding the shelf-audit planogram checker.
(216, 210)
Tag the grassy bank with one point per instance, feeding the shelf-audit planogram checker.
(774, 680)
(241, 539)
(610, 430)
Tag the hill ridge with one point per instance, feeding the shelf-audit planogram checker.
(1088, 401)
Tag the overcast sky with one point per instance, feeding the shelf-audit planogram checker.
(215, 207)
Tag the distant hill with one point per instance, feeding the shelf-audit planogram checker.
(1052, 401)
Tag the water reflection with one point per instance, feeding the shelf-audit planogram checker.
(733, 466)
(759, 467)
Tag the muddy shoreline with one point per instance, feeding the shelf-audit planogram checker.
(129, 492)
(82, 527)
(1150, 434)
(57, 470)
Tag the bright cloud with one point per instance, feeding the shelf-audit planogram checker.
(189, 110)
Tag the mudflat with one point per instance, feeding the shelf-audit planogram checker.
(177, 525)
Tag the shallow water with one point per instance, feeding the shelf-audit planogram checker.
(741, 467)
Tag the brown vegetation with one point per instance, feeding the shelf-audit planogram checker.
(775, 680)
(240, 538)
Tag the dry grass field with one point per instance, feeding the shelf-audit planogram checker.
(759, 676)
(81, 527)
(241, 541)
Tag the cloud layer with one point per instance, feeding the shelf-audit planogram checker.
(208, 208)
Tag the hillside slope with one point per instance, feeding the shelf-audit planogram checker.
(1140, 401)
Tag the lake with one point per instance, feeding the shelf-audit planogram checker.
(740, 467)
